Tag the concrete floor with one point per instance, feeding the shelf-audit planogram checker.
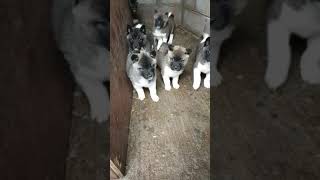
(257, 133)
(87, 159)
(170, 139)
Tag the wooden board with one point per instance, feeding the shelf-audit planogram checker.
(121, 90)
(35, 94)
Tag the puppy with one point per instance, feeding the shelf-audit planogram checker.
(138, 39)
(224, 11)
(133, 5)
(202, 63)
(141, 70)
(172, 61)
(286, 17)
(79, 29)
(163, 28)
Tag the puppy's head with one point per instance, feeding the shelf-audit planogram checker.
(133, 4)
(178, 57)
(92, 16)
(145, 64)
(161, 19)
(205, 47)
(137, 37)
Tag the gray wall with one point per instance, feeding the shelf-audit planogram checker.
(191, 14)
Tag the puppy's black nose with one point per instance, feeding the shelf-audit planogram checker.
(176, 67)
(148, 75)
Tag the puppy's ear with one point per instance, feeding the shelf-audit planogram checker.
(170, 46)
(129, 29)
(134, 58)
(143, 29)
(188, 51)
(153, 53)
(207, 42)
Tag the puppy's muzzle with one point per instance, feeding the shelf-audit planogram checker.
(148, 76)
(176, 66)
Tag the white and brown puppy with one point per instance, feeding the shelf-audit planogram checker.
(286, 17)
(202, 63)
(172, 61)
(141, 70)
(163, 28)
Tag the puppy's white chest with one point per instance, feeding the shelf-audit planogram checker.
(204, 68)
(170, 73)
(142, 82)
(158, 33)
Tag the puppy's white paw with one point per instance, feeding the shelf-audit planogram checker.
(312, 77)
(99, 116)
(99, 113)
(155, 98)
(176, 85)
(216, 79)
(273, 81)
(168, 88)
(141, 97)
(207, 84)
(196, 86)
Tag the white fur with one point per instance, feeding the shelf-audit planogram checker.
(201, 68)
(310, 62)
(143, 83)
(167, 73)
(160, 41)
(138, 26)
(97, 97)
(161, 38)
(171, 39)
(205, 37)
(305, 23)
(219, 37)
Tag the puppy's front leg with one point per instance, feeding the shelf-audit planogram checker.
(278, 54)
(160, 41)
(167, 83)
(153, 92)
(97, 97)
(310, 62)
(207, 81)
(175, 82)
(140, 92)
(170, 38)
(196, 78)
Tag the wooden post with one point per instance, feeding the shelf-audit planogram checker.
(121, 90)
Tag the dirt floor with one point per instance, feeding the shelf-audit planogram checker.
(170, 139)
(87, 159)
(259, 134)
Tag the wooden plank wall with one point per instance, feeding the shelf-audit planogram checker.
(121, 90)
(35, 94)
